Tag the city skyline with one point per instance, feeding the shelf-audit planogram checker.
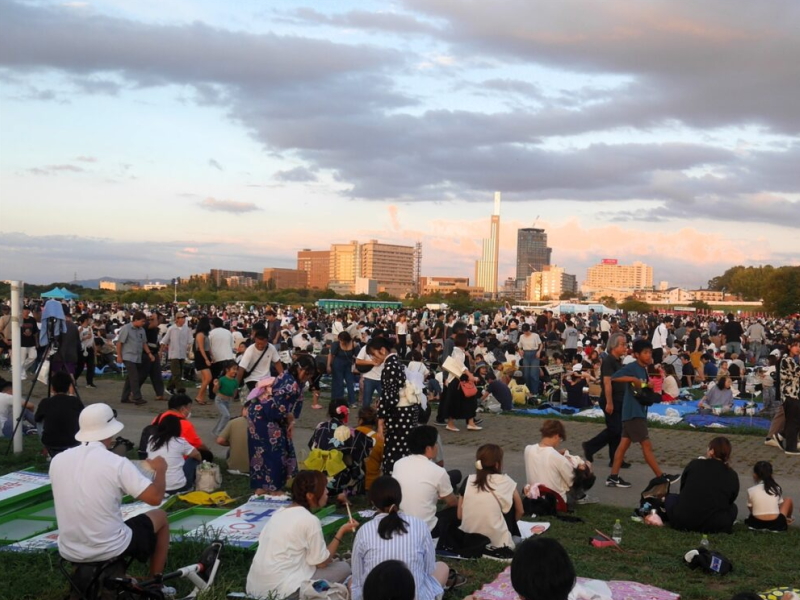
(164, 137)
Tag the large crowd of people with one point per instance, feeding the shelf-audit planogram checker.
(396, 370)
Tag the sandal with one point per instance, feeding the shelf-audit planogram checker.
(454, 580)
(202, 403)
(318, 406)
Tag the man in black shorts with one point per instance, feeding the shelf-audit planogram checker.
(89, 482)
(634, 415)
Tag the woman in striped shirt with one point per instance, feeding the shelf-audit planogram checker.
(392, 536)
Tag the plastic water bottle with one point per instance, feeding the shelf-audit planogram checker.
(616, 533)
(704, 542)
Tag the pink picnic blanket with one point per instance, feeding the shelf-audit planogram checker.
(501, 589)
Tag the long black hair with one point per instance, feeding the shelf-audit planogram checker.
(305, 362)
(763, 470)
(386, 495)
(169, 427)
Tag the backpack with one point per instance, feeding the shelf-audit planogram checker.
(147, 432)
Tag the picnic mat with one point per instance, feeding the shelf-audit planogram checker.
(727, 421)
(501, 589)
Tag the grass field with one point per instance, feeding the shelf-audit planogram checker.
(650, 555)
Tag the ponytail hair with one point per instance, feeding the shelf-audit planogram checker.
(763, 470)
(489, 461)
(308, 482)
(386, 495)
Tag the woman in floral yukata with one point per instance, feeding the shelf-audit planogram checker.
(395, 420)
(270, 428)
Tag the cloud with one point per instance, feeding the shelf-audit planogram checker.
(392, 210)
(54, 169)
(230, 206)
(88, 159)
(215, 164)
(389, 22)
(297, 174)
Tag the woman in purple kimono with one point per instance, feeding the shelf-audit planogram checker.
(270, 428)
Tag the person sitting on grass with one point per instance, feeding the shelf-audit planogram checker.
(235, 437)
(718, 397)
(390, 580)
(769, 510)
(393, 535)
(58, 415)
(89, 483)
(291, 547)
(542, 570)
(501, 392)
(7, 422)
(168, 443)
(709, 487)
(491, 504)
(567, 475)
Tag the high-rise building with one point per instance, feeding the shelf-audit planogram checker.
(486, 269)
(550, 283)
(533, 254)
(317, 264)
(391, 265)
(344, 267)
(610, 276)
(220, 275)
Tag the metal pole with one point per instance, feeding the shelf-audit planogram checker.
(16, 360)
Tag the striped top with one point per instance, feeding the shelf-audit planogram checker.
(414, 548)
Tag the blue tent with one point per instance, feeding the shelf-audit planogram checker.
(69, 295)
(56, 292)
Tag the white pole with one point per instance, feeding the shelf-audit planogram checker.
(16, 362)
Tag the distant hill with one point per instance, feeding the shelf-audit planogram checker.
(94, 284)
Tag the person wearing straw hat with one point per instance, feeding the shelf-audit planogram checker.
(89, 483)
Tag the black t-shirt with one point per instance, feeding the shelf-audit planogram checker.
(29, 329)
(708, 490)
(732, 330)
(691, 341)
(501, 393)
(608, 366)
(688, 371)
(59, 417)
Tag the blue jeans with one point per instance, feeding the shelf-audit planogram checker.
(341, 375)
(530, 364)
(370, 387)
(190, 471)
(224, 407)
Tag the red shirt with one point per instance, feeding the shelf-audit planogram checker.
(188, 431)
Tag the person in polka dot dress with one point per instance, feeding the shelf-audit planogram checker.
(394, 422)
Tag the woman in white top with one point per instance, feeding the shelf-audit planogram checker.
(392, 535)
(670, 388)
(167, 442)
(488, 500)
(291, 547)
(768, 508)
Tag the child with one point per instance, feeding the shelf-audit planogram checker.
(367, 428)
(769, 510)
(519, 391)
(225, 387)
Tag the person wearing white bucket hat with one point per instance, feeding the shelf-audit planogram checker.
(89, 483)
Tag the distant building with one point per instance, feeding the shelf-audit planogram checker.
(344, 267)
(241, 282)
(533, 253)
(117, 286)
(391, 265)
(486, 269)
(550, 283)
(429, 286)
(366, 286)
(609, 278)
(217, 276)
(317, 265)
(154, 285)
(513, 289)
(284, 279)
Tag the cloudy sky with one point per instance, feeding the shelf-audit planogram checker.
(167, 137)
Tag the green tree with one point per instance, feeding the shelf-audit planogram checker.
(700, 304)
(632, 305)
(608, 301)
(782, 291)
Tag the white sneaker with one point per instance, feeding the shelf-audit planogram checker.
(772, 441)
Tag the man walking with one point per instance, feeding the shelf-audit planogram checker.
(131, 344)
(732, 335)
(221, 340)
(660, 340)
(611, 399)
(176, 342)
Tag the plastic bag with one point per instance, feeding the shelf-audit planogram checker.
(209, 477)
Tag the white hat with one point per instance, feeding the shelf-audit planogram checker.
(97, 422)
(453, 366)
(577, 368)
(775, 352)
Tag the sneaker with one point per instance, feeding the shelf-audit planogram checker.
(792, 452)
(672, 478)
(587, 499)
(586, 454)
(772, 441)
(616, 481)
(91, 385)
(502, 554)
(478, 421)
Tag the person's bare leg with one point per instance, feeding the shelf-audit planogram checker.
(786, 509)
(161, 526)
(650, 457)
(619, 455)
(441, 572)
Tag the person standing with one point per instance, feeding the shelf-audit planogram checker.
(340, 366)
(271, 426)
(221, 340)
(756, 336)
(202, 358)
(732, 335)
(176, 342)
(790, 396)
(660, 340)
(611, 399)
(86, 357)
(28, 340)
(257, 360)
(131, 343)
(530, 346)
(69, 347)
(151, 363)
(570, 338)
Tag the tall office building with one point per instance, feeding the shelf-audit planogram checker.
(391, 265)
(610, 277)
(533, 254)
(486, 269)
(550, 283)
(317, 263)
(344, 267)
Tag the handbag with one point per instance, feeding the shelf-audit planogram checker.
(645, 396)
(320, 589)
(468, 388)
(209, 477)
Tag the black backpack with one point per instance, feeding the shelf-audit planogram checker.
(148, 432)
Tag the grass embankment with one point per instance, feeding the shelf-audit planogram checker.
(650, 555)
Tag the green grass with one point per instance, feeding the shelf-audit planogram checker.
(651, 555)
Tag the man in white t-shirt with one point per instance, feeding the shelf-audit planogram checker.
(222, 349)
(371, 380)
(89, 482)
(257, 360)
(424, 483)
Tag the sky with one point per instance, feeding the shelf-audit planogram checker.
(162, 138)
